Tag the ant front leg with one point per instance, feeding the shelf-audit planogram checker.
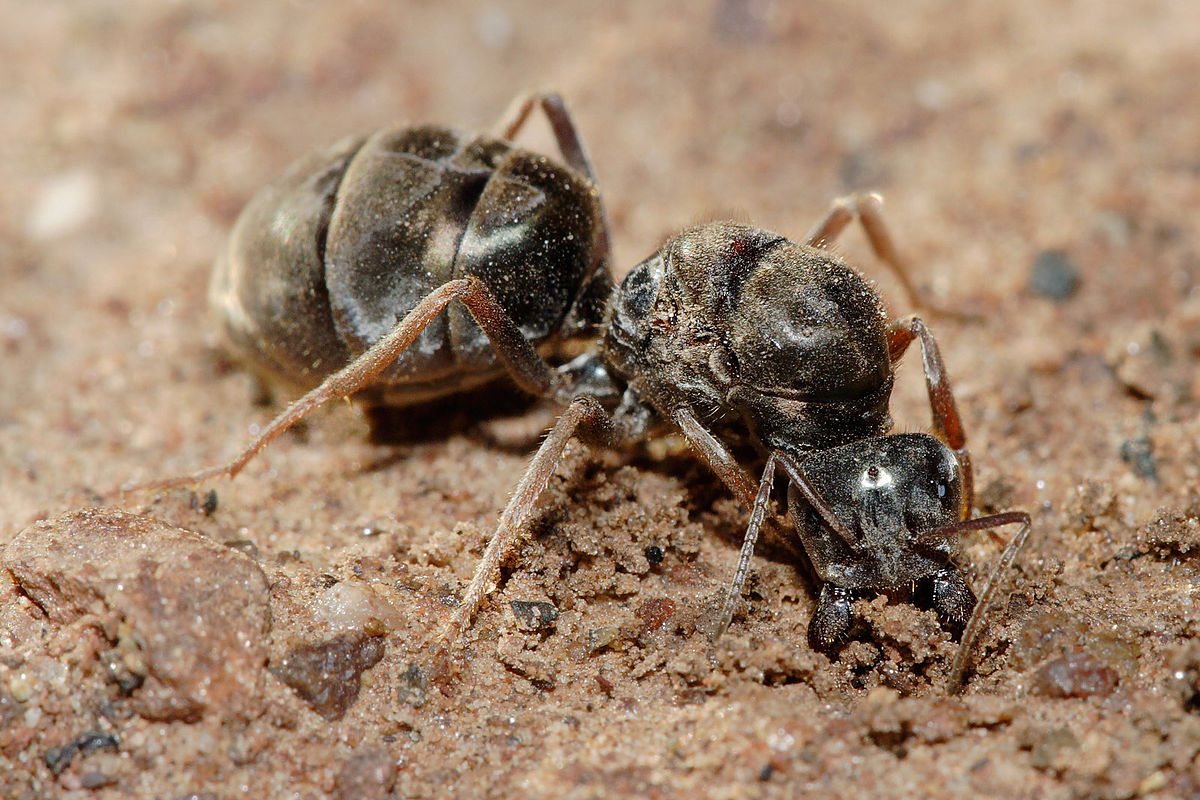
(832, 617)
(831, 620)
(524, 364)
(974, 625)
(947, 425)
(953, 600)
(761, 500)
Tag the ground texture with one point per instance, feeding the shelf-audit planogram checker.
(1041, 164)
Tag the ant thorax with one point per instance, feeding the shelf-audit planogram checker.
(759, 336)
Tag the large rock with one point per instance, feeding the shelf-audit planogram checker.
(191, 617)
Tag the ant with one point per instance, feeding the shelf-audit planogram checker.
(337, 276)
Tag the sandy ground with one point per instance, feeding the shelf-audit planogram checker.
(194, 651)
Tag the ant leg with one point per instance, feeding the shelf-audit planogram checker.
(757, 514)
(717, 456)
(831, 620)
(584, 416)
(570, 143)
(867, 207)
(523, 362)
(734, 594)
(958, 668)
(947, 425)
(953, 599)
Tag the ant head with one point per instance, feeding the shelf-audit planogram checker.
(887, 496)
(733, 320)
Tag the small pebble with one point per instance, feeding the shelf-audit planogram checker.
(369, 774)
(328, 675)
(601, 638)
(59, 758)
(1053, 276)
(534, 616)
(1075, 674)
(353, 607)
(414, 687)
(1139, 454)
(21, 686)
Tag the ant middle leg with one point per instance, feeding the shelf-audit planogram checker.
(524, 364)
(947, 424)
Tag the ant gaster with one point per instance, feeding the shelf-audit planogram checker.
(337, 275)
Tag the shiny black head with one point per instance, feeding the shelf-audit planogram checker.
(886, 497)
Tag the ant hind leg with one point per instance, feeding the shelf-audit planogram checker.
(524, 364)
(947, 424)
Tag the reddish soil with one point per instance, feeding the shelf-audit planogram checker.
(193, 651)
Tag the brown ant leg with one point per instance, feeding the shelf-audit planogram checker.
(947, 425)
(974, 627)
(524, 364)
(757, 514)
(717, 456)
(867, 207)
(570, 143)
(724, 465)
(566, 134)
(584, 416)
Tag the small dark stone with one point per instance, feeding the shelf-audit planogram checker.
(87, 742)
(534, 616)
(1139, 454)
(209, 506)
(1075, 674)
(414, 687)
(1053, 276)
(59, 758)
(654, 554)
(328, 675)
